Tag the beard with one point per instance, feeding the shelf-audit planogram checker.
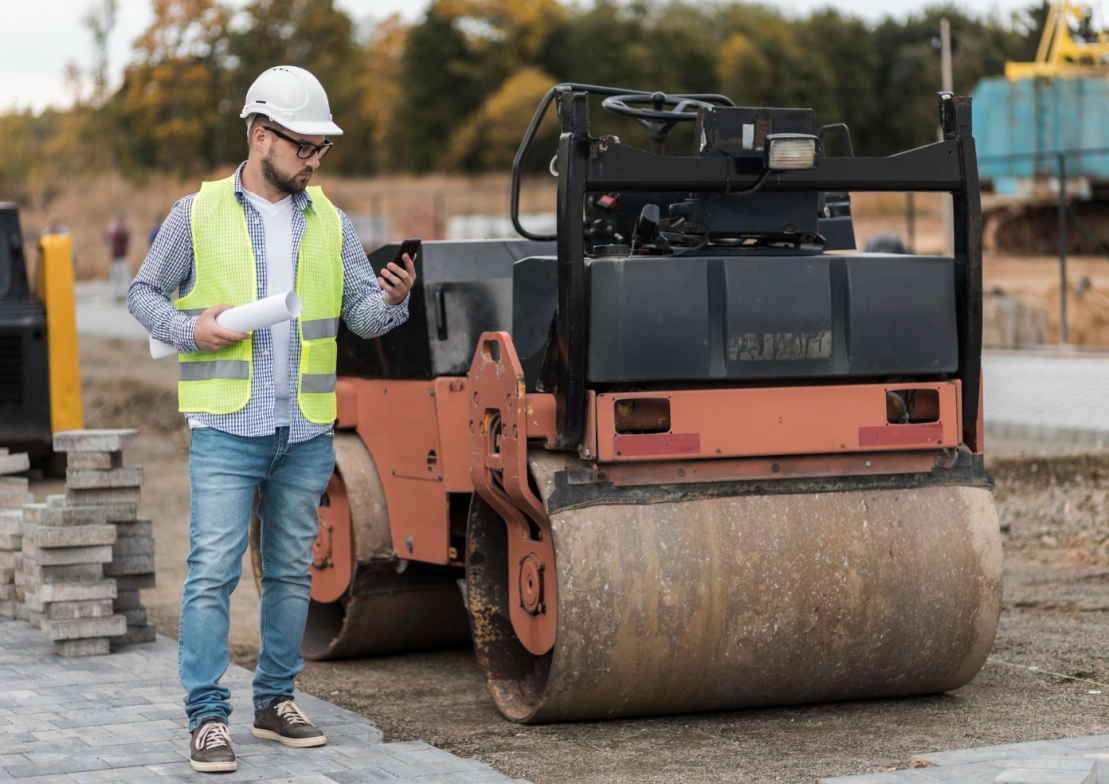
(291, 184)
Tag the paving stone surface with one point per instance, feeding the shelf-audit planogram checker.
(988, 763)
(1048, 396)
(119, 719)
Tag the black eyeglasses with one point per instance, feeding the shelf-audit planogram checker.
(305, 150)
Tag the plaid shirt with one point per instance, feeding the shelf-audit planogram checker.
(171, 265)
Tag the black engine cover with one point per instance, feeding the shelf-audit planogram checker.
(698, 318)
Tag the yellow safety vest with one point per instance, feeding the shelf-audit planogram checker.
(219, 382)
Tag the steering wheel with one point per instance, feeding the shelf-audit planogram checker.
(658, 120)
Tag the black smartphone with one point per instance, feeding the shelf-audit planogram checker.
(411, 247)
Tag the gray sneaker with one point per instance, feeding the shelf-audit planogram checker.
(285, 723)
(210, 750)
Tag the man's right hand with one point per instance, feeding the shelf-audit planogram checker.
(210, 336)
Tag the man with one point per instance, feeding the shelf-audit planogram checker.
(261, 406)
(118, 239)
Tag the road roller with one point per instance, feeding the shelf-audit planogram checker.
(690, 453)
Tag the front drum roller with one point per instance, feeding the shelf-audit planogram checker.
(365, 601)
(742, 602)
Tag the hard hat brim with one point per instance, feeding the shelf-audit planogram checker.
(327, 128)
(313, 128)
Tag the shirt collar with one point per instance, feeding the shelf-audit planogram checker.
(302, 200)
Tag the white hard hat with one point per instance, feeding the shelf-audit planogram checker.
(292, 97)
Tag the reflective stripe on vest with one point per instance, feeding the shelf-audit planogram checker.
(317, 382)
(320, 328)
(216, 368)
(220, 382)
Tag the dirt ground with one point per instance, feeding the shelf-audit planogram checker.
(1052, 502)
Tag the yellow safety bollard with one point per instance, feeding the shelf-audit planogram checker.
(54, 286)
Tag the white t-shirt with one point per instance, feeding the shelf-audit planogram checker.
(277, 229)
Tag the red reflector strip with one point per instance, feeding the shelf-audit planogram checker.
(901, 435)
(657, 444)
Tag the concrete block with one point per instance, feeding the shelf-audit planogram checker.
(14, 499)
(70, 573)
(135, 582)
(78, 592)
(21, 611)
(7, 558)
(1049, 770)
(135, 635)
(120, 513)
(32, 513)
(50, 537)
(7, 592)
(141, 527)
(82, 628)
(34, 617)
(67, 611)
(13, 542)
(127, 600)
(55, 501)
(107, 495)
(84, 479)
(32, 601)
(132, 546)
(61, 556)
(124, 476)
(11, 520)
(136, 617)
(97, 461)
(14, 464)
(96, 440)
(15, 484)
(137, 564)
(97, 646)
(7, 574)
(8, 608)
(74, 515)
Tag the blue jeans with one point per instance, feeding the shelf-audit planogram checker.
(225, 471)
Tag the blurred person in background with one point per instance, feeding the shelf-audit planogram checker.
(262, 405)
(118, 239)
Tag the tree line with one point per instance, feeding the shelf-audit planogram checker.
(454, 90)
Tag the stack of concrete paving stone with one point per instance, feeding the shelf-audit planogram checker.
(13, 495)
(97, 478)
(65, 593)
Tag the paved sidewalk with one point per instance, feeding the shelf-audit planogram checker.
(1047, 396)
(982, 765)
(119, 718)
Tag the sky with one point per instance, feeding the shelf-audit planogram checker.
(38, 39)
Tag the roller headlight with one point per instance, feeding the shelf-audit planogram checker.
(785, 151)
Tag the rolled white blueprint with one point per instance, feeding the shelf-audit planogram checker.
(246, 318)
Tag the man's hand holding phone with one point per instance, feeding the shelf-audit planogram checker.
(398, 276)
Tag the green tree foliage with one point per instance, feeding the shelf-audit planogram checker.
(457, 88)
(315, 35)
(170, 96)
(490, 136)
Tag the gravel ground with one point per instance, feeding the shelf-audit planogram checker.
(1056, 535)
